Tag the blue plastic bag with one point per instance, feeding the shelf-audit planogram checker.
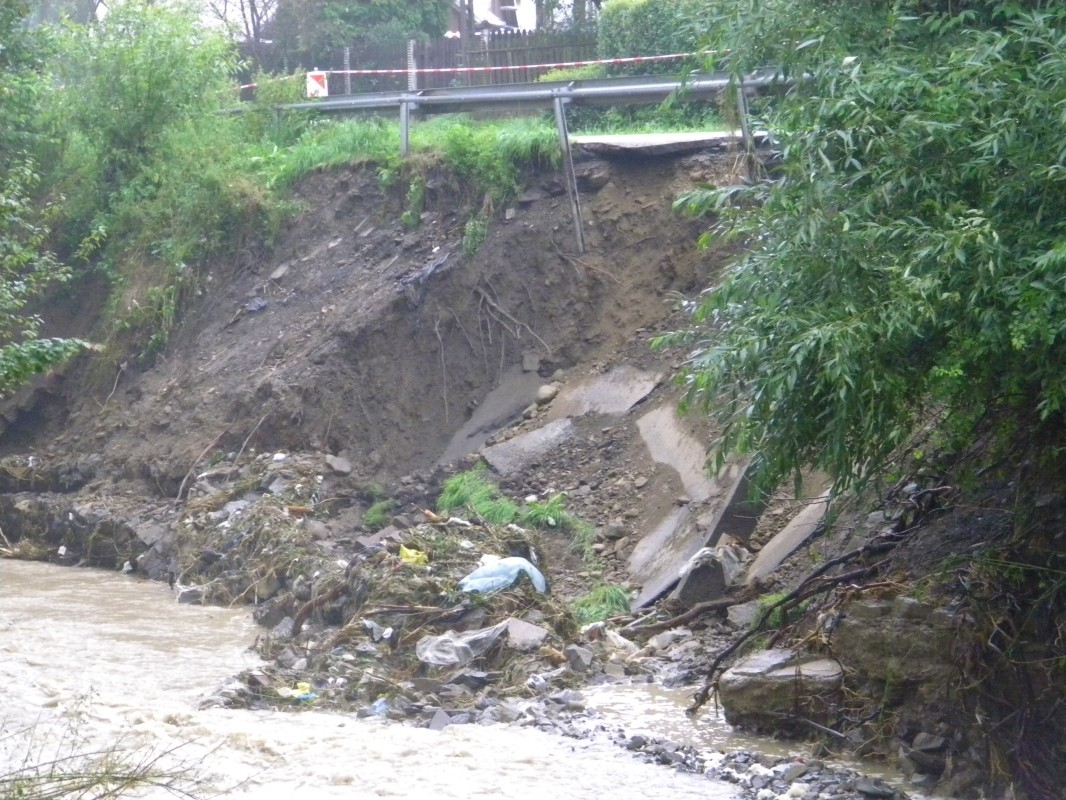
(501, 574)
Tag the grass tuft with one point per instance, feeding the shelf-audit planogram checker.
(472, 492)
(378, 515)
(603, 602)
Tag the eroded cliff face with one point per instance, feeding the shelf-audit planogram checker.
(358, 335)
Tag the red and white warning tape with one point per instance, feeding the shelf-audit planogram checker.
(464, 70)
(557, 65)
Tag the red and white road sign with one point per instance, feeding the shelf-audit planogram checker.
(317, 84)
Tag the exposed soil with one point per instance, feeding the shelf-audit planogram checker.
(362, 346)
(397, 353)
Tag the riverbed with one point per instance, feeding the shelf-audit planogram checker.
(92, 661)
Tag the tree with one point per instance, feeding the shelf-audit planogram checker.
(321, 27)
(910, 255)
(250, 17)
(26, 268)
(81, 12)
(129, 78)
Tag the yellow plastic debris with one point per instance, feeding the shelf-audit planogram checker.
(413, 557)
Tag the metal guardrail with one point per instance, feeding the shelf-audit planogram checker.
(557, 94)
(599, 91)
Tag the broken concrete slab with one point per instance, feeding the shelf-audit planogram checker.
(788, 539)
(502, 405)
(514, 455)
(661, 143)
(659, 557)
(669, 443)
(612, 393)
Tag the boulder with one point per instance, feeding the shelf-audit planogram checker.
(781, 692)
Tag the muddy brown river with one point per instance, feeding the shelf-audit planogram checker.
(91, 660)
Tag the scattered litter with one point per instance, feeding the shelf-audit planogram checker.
(501, 574)
(455, 649)
(413, 557)
(301, 692)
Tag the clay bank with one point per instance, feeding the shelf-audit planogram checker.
(293, 448)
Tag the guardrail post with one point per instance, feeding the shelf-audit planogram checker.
(745, 130)
(568, 167)
(405, 127)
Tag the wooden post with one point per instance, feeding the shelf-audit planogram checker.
(745, 131)
(412, 76)
(347, 69)
(405, 128)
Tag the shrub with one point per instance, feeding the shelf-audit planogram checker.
(906, 261)
(652, 27)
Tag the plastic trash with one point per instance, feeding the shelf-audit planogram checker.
(501, 574)
(413, 557)
(302, 691)
(452, 648)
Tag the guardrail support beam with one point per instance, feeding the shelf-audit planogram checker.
(568, 168)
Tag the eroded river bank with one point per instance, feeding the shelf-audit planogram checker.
(95, 661)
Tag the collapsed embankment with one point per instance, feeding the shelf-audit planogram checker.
(362, 356)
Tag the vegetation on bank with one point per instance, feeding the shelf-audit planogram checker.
(906, 262)
(902, 273)
(127, 163)
(116, 156)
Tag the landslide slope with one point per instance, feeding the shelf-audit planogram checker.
(358, 335)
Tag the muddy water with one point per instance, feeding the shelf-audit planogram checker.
(90, 660)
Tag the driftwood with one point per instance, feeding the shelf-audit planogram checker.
(316, 602)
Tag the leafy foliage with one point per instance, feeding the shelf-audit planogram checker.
(323, 25)
(134, 76)
(153, 180)
(650, 27)
(909, 255)
(21, 53)
(27, 269)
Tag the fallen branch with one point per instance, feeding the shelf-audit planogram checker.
(813, 724)
(244, 444)
(799, 594)
(199, 458)
(316, 602)
(743, 595)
